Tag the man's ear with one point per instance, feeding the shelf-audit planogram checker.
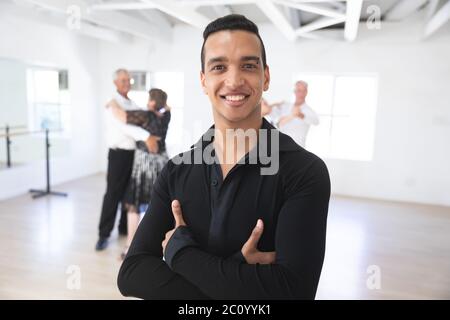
(203, 82)
(266, 78)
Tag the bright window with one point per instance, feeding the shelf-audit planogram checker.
(346, 105)
(139, 88)
(48, 99)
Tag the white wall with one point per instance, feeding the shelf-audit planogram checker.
(38, 43)
(13, 89)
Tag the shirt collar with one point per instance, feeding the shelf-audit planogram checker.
(287, 144)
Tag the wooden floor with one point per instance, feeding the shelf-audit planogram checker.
(41, 240)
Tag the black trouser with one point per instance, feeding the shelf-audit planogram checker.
(120, 164)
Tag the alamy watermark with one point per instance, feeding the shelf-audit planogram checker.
(73, 21)
(263, 146)
(373, 21)
(73, 281)
(373, 281)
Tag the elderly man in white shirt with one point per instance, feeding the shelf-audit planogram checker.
(295, 119)
(121, 140)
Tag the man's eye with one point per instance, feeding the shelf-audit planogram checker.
(218, 68)
(249, 66)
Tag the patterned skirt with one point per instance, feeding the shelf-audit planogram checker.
(146, 168)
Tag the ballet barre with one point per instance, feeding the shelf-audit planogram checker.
(36, 193)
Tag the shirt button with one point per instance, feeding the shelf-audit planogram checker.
(214, 182)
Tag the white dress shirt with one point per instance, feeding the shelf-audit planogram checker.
(120, 135)
(297, 128)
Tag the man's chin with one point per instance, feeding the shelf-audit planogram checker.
(235, 115)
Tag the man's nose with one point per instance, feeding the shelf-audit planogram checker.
(234, 78)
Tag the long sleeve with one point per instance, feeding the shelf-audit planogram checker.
(134, 132)
(138, 134)
(310, 116)
(299, 245)
(137, 117)
(149, 121)
(144, 274)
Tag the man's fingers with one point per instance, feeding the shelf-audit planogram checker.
(177, 214)
(266, 257)
(255, 235)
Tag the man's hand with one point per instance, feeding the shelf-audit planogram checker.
(152, 144)
(297, 113)
(117, 110)
(249, 250)
(179, 221)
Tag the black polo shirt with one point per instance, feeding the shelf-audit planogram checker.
(203, 259)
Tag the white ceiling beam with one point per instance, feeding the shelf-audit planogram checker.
(112, 20)
(293, 15)
(317, 1)
(156, 17)
(317, 9)
(160, 19)
(200, 3)
(338, 5)
(318, 24)
(431, 8)
(173, 8)
(353, 15)
(21, 9)
(403, 9)
(222, 10)
(438, 20)
(277, 18)
(121, 6)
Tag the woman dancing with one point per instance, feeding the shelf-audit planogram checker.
(147, 163)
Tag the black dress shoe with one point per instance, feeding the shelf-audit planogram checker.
(102, 243)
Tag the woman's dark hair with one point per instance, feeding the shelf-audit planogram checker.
(231, 22)
(159, 96)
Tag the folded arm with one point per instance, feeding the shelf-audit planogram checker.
(310, 116)
(117, 113)
(299, 246)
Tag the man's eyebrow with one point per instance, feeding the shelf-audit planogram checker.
(251, 58)
(216, 59)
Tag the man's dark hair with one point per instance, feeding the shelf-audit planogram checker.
(232, 22)
(159, 96)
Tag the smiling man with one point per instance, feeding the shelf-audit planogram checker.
(225, 229)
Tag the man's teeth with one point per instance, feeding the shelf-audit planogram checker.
(235, 98)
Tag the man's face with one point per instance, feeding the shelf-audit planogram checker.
(300, 91)
(234, 76)
(122, 83)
